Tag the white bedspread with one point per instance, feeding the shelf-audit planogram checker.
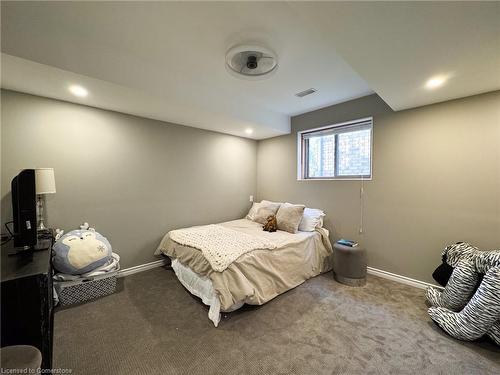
(220, 245)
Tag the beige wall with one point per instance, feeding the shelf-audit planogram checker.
(436, 180)
(132, 178)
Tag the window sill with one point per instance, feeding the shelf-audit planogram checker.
(336, 179)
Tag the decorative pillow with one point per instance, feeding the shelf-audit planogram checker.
(289, 217)
(80, 251)
(271, 202)
(312, 219)
(255, 207)
(264, 210)
(253, 210)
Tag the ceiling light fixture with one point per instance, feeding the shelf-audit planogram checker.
(249, 131)
(435, 82)
(78, 91)
(251, 62)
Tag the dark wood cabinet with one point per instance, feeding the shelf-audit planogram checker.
(27, 300)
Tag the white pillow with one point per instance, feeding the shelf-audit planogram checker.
(271, 202)
(312, 219)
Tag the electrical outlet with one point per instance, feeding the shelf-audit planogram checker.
(251, 198)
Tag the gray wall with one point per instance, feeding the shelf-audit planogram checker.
(436, 175)
(132, 178)
(436, 180)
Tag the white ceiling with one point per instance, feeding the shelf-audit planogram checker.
(166, 60)
(397, 46)
(175, 53)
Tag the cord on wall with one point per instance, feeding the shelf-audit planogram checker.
(361, 204)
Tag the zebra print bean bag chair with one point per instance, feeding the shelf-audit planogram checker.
(469, 305)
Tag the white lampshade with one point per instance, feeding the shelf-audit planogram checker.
(45, 181)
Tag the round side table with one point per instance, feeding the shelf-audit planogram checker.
(349, 265)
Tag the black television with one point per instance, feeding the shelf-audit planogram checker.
(23, 190)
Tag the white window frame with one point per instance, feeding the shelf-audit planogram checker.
(301, 154)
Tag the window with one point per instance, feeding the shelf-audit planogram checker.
(341, 151)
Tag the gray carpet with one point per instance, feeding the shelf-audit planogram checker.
(154, 326)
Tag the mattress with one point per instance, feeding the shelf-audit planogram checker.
(260, 275)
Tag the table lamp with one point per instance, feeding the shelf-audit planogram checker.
(45, 184)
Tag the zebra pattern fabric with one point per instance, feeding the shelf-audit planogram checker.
(484, 260)
(468, 262)
(479, 315)
(453, 309)
(453, 254)
(458, 290)
(494, 332)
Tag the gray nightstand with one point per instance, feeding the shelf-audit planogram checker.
(349, 265)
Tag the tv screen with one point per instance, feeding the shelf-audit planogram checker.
(24, 208)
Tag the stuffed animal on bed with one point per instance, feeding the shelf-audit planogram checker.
(80, 251)
(469, 305)
(271, 224)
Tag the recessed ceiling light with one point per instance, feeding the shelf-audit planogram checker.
(78, 91)
(435, 82)
(249, 131)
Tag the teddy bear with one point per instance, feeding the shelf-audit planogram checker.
(271, 224)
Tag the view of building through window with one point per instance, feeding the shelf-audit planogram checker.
(322, 156)
(338, 152)
(354, 153)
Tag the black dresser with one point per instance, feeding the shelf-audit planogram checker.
(27, 303)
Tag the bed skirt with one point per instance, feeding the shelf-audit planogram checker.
(201, 287)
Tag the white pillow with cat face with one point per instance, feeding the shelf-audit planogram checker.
(81, 251)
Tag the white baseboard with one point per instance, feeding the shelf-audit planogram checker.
(372, 271)
(140, 268)
(400, 279)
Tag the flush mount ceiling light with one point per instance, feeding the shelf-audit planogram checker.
(435, 82)
(78, 91)
(249, 131)
(251, 62)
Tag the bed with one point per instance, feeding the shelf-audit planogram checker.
(256, 276)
